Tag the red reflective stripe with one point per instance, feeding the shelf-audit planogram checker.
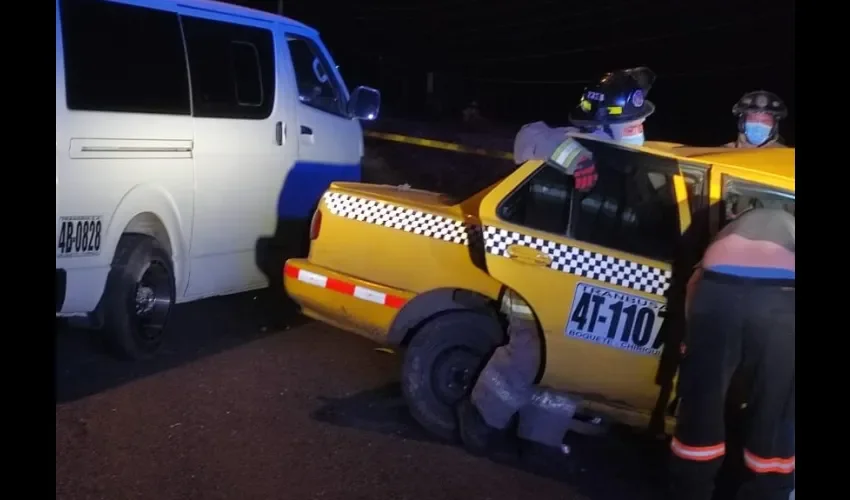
(697, 453)
(344, 287)
(761, 465)
(340, 286)
(290, 270)
(394, 302)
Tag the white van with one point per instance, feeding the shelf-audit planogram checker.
(193, 141)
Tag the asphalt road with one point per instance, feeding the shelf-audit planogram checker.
(230, 409)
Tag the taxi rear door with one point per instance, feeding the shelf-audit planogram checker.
(593, 266)
(740, 189)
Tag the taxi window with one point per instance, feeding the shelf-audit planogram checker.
(739, 195)
(631, 208)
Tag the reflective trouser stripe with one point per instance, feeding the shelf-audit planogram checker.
(697, 453)
(761, 465)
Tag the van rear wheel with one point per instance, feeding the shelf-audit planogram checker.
(441, 365)
(139, 297)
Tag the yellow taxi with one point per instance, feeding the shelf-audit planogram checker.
(429, 274)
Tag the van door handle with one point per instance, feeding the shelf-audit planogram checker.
(279, 132)
(306, 130)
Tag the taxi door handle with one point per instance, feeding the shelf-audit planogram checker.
(528, 255)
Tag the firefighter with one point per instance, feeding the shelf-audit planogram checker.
(613, 108)
(758, 116)
(740, 320)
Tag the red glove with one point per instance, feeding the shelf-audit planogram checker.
(585, 175)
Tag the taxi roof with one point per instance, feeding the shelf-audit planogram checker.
(777, 162)
(773, 161)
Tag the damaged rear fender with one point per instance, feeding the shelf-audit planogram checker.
(429, 304)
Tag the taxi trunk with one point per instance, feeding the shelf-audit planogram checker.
(359, 275)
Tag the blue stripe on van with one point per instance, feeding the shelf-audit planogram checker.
(307, 181)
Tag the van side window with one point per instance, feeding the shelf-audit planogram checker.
(232, 69)
(317, 85)
(632, 207)
(123, 58)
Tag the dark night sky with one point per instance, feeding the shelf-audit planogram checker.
(526, 61)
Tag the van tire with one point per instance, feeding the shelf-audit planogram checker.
(139, 296)
(441, 364)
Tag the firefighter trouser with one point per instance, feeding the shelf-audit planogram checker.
(744, 327)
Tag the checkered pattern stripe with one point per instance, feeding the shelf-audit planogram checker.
(396, 217)
(582, 262)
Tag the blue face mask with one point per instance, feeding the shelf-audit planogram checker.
(619, 131)
(634, 140)
(757, 133)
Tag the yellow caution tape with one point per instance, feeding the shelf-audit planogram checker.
(430, 143)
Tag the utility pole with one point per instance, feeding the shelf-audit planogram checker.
(280, 7)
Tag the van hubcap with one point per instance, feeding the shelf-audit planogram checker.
(153, 300)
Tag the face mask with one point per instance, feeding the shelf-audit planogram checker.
(757, 133)
(628, 133)
(633, 140)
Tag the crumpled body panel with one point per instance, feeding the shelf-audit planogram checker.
(506, 388)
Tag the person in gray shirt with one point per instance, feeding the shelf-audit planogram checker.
(740, 310)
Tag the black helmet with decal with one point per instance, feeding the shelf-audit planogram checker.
(760, 101)
(619, 97)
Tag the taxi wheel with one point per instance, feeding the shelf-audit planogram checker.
(442, 363)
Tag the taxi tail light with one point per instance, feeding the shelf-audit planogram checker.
(315, 224)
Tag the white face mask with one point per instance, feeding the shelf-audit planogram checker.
(628, 133)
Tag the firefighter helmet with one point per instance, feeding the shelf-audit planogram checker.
(760, 101)
(619, 97)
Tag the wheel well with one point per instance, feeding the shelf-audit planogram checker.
(151, 225)
(540, 336)
(429, 305)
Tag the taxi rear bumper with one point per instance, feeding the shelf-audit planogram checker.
(344, 301)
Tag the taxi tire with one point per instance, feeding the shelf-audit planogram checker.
(473, 333)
